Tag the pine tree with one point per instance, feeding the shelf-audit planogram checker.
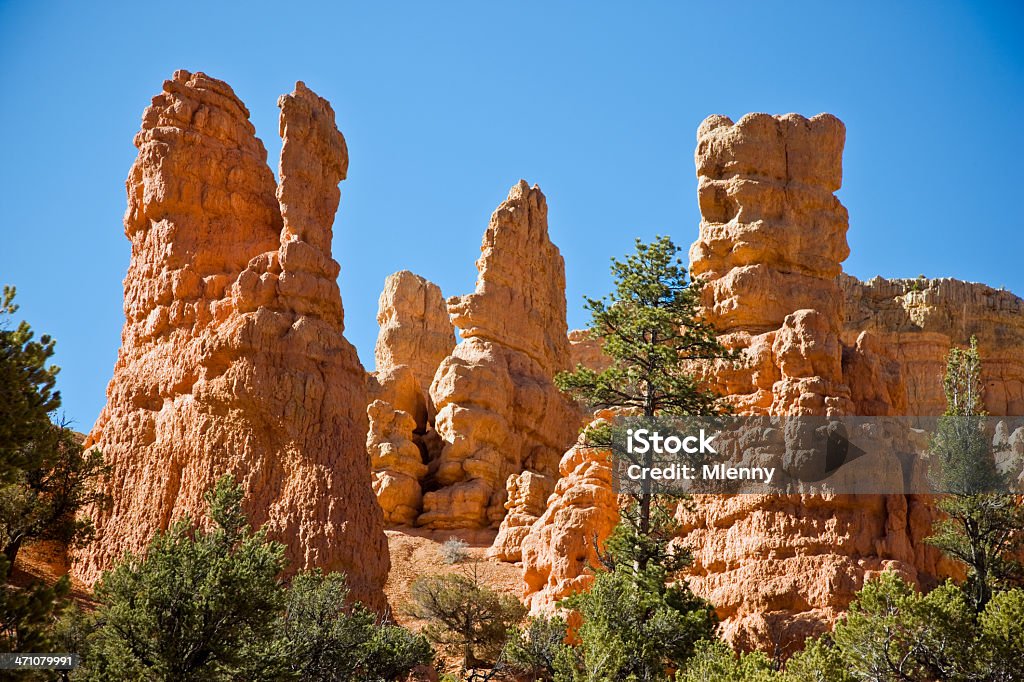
(640, 621)
(46, 476)
(983, 528)
(651, 328)
(189, 608)
(27, 390)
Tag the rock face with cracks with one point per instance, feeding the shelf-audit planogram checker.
(415, 336)
(771, 242)
(527, 498)
(912, 323)
(564, 541)
(233, 359)
(498, 412)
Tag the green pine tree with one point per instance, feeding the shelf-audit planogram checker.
(651, 328)
(28, 615)
(211, 605)
(194, 605)
(28, 392)
(46, 477)
(639, 620)
(983, 528)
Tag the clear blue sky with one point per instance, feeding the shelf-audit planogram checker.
(446, 105)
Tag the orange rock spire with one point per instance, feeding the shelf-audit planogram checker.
(232, 357)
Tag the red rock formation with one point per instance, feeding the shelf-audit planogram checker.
(232, 357)
(415, 329)
(587, 351)
(563, 542)
(901, 331)
(498, 412)
(771, 243)
(772, 239)
(916, 321)
(528, 494)
(415, 336)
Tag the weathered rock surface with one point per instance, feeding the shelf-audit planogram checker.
(813, 342)
(527, 494)
(498, 412)
(563, 542)
(415, 329)
(587, 351)
(415, 336)
(233, 358)
(771, 243)
(772, 240)
(916, 321)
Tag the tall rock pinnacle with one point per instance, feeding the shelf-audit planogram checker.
(232, 357)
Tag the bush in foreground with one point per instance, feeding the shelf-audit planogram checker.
(210, 605)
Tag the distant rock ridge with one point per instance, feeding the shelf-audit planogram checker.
(914, 322)
(233, 358)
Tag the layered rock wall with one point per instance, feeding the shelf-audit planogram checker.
(233, 358)
(771, 243)
(527, 497)
(914, 323)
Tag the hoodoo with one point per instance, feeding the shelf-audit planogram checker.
(498, 412)
(233, 359)
(812, 341)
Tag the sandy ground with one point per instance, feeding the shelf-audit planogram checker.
(416, 552)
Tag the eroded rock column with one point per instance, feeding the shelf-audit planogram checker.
(415, 336)
(772, 239)
(498, 412)
(233, 358)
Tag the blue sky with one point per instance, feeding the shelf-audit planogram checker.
(446, 105)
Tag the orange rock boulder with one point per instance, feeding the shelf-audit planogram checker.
(527, 498)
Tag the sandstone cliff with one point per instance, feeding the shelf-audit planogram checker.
(771, 243)
(914, 322)
(232, 357)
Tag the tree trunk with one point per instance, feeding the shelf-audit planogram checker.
(11, 551)
(646, 495)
